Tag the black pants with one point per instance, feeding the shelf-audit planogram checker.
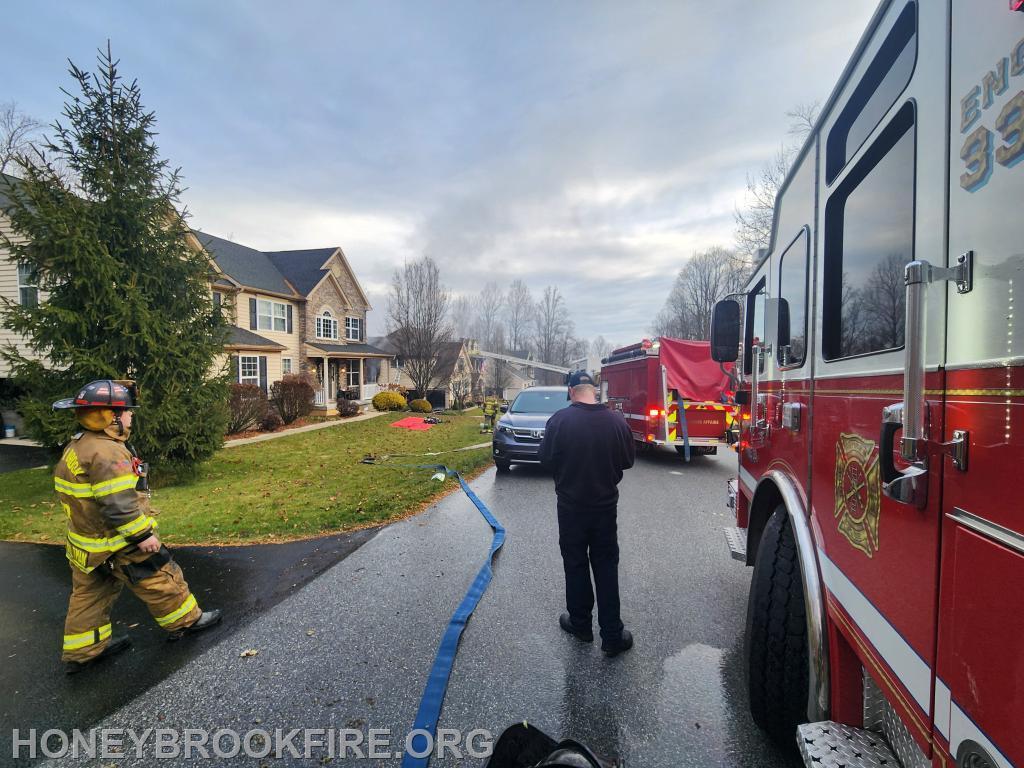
(588, 540)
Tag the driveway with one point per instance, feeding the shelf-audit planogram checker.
(242, 581)
(14, 457)
(352, 648)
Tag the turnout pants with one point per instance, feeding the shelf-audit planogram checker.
(155, 579)
(588, 539)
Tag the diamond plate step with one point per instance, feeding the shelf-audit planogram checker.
(737, 540)
(832, 745)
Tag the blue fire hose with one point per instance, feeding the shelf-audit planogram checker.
(437, 682)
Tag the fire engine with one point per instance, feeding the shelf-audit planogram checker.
(671, 393)
(880, 348)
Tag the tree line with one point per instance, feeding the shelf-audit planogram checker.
(423, 316)
(716, 272)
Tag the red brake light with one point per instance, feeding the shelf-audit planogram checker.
(654, 411)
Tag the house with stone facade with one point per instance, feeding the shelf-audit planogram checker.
(296, 311)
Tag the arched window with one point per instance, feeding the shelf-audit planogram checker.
(326, 326)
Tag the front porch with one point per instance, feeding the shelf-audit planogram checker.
(352, 370)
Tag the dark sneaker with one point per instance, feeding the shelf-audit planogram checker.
(586, 635)
(206, 620)
(621, 646)
(115, 646)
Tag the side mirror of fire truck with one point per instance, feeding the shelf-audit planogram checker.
(725, 331)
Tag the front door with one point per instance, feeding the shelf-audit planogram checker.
(881, 205)
(979, 690)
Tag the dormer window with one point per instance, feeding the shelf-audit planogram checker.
(326, 326)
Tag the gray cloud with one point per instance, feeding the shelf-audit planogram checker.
(592, 145)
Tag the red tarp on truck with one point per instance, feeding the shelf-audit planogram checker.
(690, 370)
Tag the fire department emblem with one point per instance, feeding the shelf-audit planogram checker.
(858, 492)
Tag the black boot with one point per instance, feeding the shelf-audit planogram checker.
(115, 646)
(623, 644)
(565, 622)
(206, 620)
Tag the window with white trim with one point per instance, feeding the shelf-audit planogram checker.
(271, 315)
(28, 285)
(249, 369)
(326, 326)
(352, 374)
(286, 366)
(354, 328)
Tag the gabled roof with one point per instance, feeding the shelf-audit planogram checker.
(303, 269)
(447, 358)
(245, 265)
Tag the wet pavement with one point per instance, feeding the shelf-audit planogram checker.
(14, 457)
(242, 581)
(352, 648)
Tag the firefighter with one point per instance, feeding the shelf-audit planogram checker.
(587, 447)
(112, 539)
(490, 413)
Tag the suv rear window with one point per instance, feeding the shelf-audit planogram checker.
(540, 402)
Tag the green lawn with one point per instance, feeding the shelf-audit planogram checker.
(301, 485)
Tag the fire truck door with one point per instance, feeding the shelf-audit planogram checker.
(882, 206)
(979, 688)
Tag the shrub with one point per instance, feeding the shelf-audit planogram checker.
(293, 396)
(271, 421)
(421, 406)
(247, 407)
(388, 401)
(347, 407)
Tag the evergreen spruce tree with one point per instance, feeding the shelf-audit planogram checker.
(123, 293)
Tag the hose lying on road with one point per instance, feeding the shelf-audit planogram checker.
(437, 682)
(373, 458)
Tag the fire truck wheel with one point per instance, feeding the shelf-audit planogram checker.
(503, 466)
(776, 639)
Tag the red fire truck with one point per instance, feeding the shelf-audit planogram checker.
(671, 393)
(881, 350)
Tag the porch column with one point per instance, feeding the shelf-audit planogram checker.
(362, 378)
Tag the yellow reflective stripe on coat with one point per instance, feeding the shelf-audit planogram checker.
(78, 490)
(91, 544)
(118, 484)
(140, 523)
(173, 616)
(85, 639)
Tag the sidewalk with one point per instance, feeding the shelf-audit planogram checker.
(298, 430)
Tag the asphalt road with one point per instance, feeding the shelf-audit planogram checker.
(242, 581)
(14, 457)
(352, 648)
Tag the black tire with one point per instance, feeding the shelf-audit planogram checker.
(775, 647)
(503, 466)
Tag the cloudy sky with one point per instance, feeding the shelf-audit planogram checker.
(589, 145)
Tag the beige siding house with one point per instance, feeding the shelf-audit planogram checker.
(290, 311)
(455, 371)
(297, 311)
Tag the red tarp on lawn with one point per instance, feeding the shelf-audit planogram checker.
(413, 423)
(690, 370)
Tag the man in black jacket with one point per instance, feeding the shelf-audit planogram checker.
(587, 446)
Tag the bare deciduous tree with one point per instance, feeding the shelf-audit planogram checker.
(518, 315)
(600, 347)
(18, 133)
(707, 277)
(462, 317)
(487, 324)
(418, 320)
(554, 340)
(754, 219)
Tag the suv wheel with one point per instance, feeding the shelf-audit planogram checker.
(503, 466)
